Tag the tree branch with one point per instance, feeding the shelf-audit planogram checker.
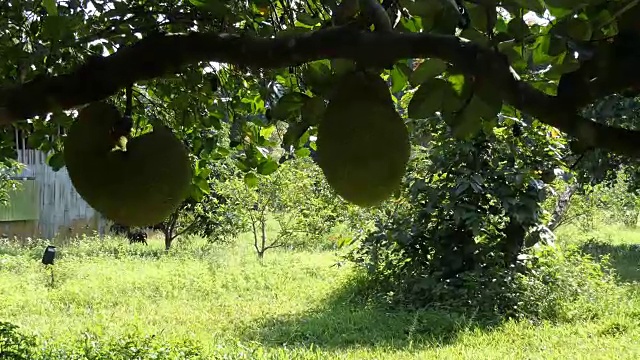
(186, 229)
(159, 55)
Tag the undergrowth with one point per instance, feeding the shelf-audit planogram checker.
(111, 300)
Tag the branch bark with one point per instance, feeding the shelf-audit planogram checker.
(159, 55)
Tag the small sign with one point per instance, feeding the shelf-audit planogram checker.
(49, 255)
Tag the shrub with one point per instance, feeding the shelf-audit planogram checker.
(564, 284)
(547, 284)
(16, 345)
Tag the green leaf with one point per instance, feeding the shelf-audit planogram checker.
(267, 167)
(567, 64)
(307, 19)
(36, 139)
(267, 131)
(242, 166)
(302, 152)
(53, 27)
(202, 184)
(479, 107)
(463, 87)
(429, 98)
(342, 66)
(51, 7)
(213, 120)
(479, 14)
(344, 241)
(196, 193)
(410, 24)
(518, 29)
(486, 100)
(422, 8)
(209, 144)
(303, 139)
(459, 83)
(464, 124)
(55, 161)
(578, 29)
(317, 77)
(549, 46)
(221, 153)
(475, 36)
(428, 69)
(288, 106)
(216, 7)
(399, 77)
(251, 179)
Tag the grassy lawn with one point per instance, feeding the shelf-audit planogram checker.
(293, 305)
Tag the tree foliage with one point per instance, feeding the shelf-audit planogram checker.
(501, 57)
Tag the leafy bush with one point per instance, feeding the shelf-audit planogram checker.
(549, 284)
(472, 209)
(564, 284)
(14, 344)
(8, 169)
(131, 346)
(609, 202)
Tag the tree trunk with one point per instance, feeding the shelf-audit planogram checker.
(562, 205)
(168, 238)
(167, 242)
(169, 229)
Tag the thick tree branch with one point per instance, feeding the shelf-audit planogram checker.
(160, 55)
(612, 67)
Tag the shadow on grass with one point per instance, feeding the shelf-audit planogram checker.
(624, 258)
(345, 321)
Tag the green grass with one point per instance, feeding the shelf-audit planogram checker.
(293, 305)
(621, 244)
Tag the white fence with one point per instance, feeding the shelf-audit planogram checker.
(62, 209)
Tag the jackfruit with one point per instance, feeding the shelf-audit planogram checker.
(363, 145)
(134, 182)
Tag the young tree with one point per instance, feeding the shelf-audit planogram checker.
(293, 199)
